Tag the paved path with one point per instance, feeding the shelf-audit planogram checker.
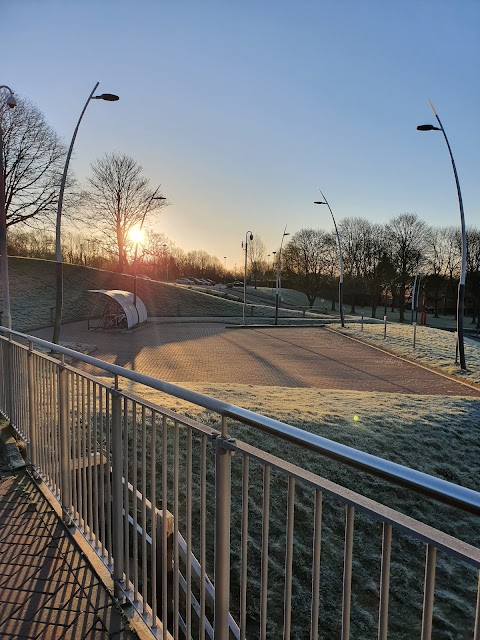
(270, 356)
(48, 590)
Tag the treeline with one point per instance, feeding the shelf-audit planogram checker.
(381, 261)
(158, 257)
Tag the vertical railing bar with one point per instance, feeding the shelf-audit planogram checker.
(126, 498)
(317, 546)
(91, 461)
(429, 592)
(96, 477)
(65, 448)
(153, 500)
(289, 559)
(385, 582)
(72, 432)
(102, 470)
(189, 533)
(176, 581)
(244, 547)
(223, 491)
(108, 482)
(476, 632)
(144, 512)
(84, 458)
(135, 500)
(347, 572)
(164, 521)
(203, 532)
(264, 562)
(116, 502)
(78, 461)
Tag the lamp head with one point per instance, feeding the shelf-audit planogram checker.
(251, 236)
(427, 127)
(319, 203)
(11, 102)
(109, 97)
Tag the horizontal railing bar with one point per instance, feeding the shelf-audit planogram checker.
(447, 492)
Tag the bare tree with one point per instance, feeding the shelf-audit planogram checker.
(305, 258)
(407, 235)
(120, 199)
(256, 257)
(33, 163)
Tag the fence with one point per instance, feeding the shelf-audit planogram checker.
(206, 543)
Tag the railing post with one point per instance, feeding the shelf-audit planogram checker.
(65, 453)
(7, 368)
(222, 533)
(32, 415)
(117, 491)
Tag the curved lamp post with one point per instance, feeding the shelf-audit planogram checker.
(109, 97)
(247, 236)
(461, 284)
(7, 316)
(278, 282)
(340, 259)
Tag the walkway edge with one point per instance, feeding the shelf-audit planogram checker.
(449, 376)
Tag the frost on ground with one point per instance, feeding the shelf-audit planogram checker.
(433, 347)
(412, 430)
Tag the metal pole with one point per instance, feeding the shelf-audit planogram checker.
(463, 270)
(58, 244)
(65, 455)
(279, 284)
(117, 489)
(249, 233)
(340, 259)
(7, 317)
(32, 422)
(222, 533)
(412, 305)
(384, 327)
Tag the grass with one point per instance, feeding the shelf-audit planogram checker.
(411, 430)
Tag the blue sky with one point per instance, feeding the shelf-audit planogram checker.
(242, 110)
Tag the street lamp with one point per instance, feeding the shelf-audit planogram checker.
(340, 258)
(108, 97)
(247, 235)
(7, 315)
(278, 282)
(461, 284)
(273, 270)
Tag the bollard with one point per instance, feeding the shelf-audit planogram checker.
(414, 334)
(384, 327)
(362, 323)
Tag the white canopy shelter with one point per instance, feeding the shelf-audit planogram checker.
(119, 311)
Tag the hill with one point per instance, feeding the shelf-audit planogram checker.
(32, 292)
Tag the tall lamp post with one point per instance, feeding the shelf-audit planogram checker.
(7, 315)
(463, 270)
(248, 235)
(273, 269)
(136, 234)
(278, 283)
(340, 259)
(109, 97)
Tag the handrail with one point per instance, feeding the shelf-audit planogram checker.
(452, 494)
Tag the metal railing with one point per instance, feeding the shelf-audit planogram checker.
(206, 544)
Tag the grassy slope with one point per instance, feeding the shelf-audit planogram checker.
(32, 290)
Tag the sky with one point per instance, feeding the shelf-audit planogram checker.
(243, 110)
